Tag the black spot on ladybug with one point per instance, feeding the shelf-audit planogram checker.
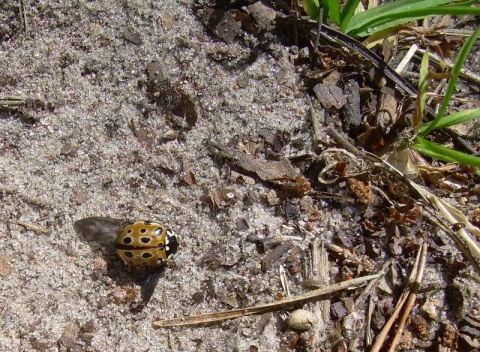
(146, 255)
(127, 240)
(145, 239)
(130, 231)
(143, 230)
(128, 254)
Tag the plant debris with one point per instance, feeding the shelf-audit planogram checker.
(231, 314)
(171, 98)
(280, 173)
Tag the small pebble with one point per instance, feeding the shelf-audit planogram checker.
(301, 319)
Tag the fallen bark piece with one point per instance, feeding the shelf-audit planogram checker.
(266, 170)
(330, 96)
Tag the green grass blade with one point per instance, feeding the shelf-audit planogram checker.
(440, 152)
(391, 20)
(326, 10)
(360, 20)
(347, 13)
(453, 119)
(331, 11)
(459, 62)
(334, 12)
(312, 8)
(422, 91)
(397, 12)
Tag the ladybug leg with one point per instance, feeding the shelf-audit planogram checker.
(148, 287)
(150, 284)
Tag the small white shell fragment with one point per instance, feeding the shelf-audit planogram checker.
(301, 319)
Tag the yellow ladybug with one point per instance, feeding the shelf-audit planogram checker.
(146, 244)
(140, 244)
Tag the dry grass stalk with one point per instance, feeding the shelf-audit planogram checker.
(12, 101)
(260, 309)
(33, 228)
(318, 271)
(405, 302)
(421, 261)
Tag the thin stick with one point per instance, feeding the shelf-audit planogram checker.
(411, 297)
(32, 227)
(368, 324)
(466, 73)
(382, 336)
(236, 313)
(406, 59)
(24, 16)
(12, 100)
(361, 299)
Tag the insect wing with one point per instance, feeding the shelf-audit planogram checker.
(99, 229)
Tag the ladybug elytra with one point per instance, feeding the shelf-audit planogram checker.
(146, 244)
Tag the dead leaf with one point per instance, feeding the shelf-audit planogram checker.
(223, 24)
(241, 179)
(330, 96)
(189, 178)
(266, 170)
(222, 197)
(229, 301)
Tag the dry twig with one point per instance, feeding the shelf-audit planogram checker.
(319, 271)
(242, 312)
(34, 228)
(8, 101)
(405, 303)
(412, 295)
(24, 16)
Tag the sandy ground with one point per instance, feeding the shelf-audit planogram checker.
(78, 155)
(90, 143)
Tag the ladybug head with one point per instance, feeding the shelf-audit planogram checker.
(171, 244)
